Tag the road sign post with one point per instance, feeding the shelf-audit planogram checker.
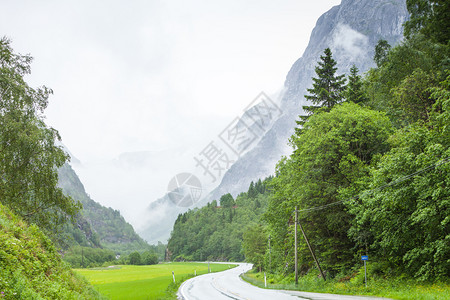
(365, 258)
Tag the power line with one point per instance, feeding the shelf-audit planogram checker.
(445, 160)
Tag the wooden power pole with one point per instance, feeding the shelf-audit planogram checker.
(295, 235)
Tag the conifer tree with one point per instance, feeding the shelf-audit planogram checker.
(354, 91)
(327, 89)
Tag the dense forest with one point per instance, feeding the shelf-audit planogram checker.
(215, 231)
(369, 172)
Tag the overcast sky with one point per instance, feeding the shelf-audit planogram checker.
(154, 75)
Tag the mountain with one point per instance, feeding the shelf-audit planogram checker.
(96, 225)
(351, 30)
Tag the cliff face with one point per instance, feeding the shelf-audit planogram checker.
(351, 30)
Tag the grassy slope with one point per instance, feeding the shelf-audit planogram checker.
(32, 268)
(143, 282)
(392, 288)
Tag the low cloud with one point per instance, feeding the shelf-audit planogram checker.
(349, 43)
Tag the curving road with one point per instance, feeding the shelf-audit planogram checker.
(228, 285)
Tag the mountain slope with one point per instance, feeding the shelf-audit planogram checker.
(97, 225)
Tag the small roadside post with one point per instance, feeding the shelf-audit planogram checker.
(365, 258)
(173, 276)
(265, 280)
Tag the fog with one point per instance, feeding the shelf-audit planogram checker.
(141, 87)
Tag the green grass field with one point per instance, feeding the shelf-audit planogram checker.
(143, 282)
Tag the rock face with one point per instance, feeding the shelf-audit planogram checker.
(351, 30)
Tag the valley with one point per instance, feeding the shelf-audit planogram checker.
(335, 187)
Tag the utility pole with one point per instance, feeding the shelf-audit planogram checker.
(295, 235)
(270, 255)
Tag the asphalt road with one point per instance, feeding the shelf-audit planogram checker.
(228, 285)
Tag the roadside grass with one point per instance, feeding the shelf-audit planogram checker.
(145, 282)
(395, 288)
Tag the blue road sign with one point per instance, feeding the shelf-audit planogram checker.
(364, 257)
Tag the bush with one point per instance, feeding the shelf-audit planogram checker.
(149, 258)
(134, 258)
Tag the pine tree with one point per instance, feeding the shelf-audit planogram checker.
(252, 192)
(327, 89)
(354, 91)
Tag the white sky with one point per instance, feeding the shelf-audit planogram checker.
(154, 75)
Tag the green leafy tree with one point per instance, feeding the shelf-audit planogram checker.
(415, 210)
(227, 201)
(429, 17)
(334, 150)
(254, 245)
(412, 97)
(415, 63)
(328, 88)
(135, 258)
(149, 258)
(381, 52)
(29, 154)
